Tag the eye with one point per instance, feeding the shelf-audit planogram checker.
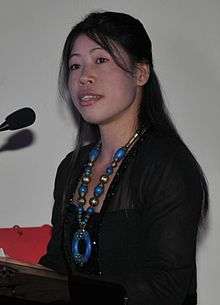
(101, 60)
(74, 67)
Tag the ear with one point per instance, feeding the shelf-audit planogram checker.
(142, 73)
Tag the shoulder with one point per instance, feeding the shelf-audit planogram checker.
(71, 163)
(78, 155)
(158, 148)
(169, 170)
(69, 166)
(168, 157)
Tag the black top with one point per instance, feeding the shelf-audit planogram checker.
(147, 242)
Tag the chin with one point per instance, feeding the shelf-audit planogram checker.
(101, 117)
(97, 120)
(92, 120)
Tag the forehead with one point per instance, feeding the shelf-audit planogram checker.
(82, 43)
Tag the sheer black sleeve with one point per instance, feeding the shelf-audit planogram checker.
(171, 198)
(54, 258)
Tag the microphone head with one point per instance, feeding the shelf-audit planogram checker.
(21, 118)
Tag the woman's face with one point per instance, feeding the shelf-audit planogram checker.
(100, 90)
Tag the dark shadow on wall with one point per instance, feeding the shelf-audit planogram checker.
(19, 140)
(204, 230)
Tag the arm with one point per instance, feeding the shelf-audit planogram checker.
(54, 258)
(171, 198)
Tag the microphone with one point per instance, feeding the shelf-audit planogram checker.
(19, 119)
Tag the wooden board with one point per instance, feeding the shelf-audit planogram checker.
(25, 281)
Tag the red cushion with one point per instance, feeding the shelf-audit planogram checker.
(25, 244)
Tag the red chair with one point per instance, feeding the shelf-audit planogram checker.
(26, 244)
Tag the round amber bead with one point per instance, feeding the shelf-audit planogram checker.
(114, 163)
(86, 179)
(81, 201)
(104, 179)
(93, 201)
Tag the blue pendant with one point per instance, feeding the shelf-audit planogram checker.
(81, 258)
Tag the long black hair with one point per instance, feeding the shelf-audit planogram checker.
(112, 30)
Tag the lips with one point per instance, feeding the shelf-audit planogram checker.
(89, 99)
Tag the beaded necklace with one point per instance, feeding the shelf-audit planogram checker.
(82, 235)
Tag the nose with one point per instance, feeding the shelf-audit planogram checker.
(87, 77)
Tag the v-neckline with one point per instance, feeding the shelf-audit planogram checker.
(120, 168)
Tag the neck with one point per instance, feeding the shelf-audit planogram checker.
(113, 137)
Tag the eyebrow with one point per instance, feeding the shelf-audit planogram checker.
(90, 52)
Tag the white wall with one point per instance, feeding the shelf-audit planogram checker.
(186, 48)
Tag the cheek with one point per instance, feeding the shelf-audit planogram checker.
(124, 79)
(124, 86)
(72, 88)
(72, 85)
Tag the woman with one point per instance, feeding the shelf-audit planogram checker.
(129, 199)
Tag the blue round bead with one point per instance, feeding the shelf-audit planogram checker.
(98, 190)
(83, 189)
(80, 210)
(90, 210)
(88, 171)
(109, 170)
